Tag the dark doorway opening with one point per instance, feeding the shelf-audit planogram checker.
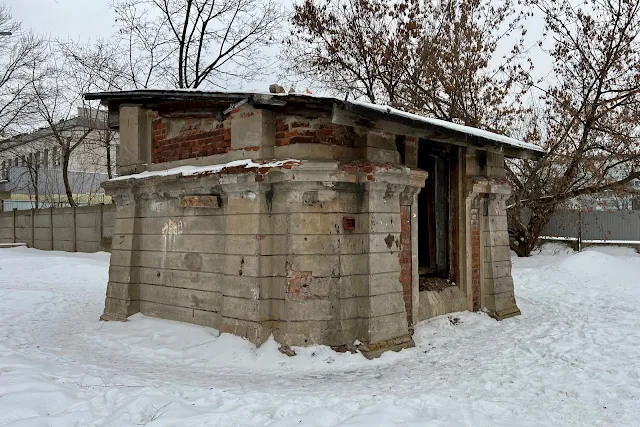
(434, 234)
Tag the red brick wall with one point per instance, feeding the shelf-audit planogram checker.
(406, 270)
(475, 258)
(196, 138)
(293, 130)
(199, 137)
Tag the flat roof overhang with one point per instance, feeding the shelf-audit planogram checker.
(349, 113)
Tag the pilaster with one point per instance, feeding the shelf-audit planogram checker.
(134, 154)
(489, 261)
(123, 291)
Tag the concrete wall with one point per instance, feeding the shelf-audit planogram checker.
(437, 303)
(275, 255)
(80, 229)
(275, 258)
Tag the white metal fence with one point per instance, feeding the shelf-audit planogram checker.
(24, 205)
(621, 227)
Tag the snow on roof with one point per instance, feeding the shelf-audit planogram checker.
(453, 126)
(262, 96)
(197, 170)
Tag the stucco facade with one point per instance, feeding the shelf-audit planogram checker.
(319, 239)
(32, 162)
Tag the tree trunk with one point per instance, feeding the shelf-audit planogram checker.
(522, 250)
(33, 179)
(109, 161)
(35, 189)
(65, 178)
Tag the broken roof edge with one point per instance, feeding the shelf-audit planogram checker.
(484, 137)
(193, 94)
(452, 133)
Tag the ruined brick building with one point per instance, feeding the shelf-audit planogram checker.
(317, 220)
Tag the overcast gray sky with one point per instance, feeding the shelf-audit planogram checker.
(83, 20)
(77, 19)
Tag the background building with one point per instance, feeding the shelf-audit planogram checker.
(31, 164)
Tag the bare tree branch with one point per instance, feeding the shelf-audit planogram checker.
(197, 41)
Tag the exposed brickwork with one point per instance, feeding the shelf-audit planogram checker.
(406, 270)
(475, 257)
(298, 285)
(293, 130)
(195, 138)
(177, 135)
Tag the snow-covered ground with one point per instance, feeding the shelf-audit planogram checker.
(572, 358)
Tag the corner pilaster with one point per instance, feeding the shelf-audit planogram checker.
(123, 291)
(489, 261)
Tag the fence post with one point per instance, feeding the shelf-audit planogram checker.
(579, 231)
(75, 244)
(100, 219)
(51, 224)
(14, 224)
(33, 228)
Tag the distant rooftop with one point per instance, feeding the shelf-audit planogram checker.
(85, 118)
(363, 113)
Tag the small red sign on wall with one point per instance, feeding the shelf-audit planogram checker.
(348, 223)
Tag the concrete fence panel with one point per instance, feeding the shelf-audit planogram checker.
(6, 227)
(42, 230)
(24, 228)
(88, 229)
(80, 229)
(108, 221)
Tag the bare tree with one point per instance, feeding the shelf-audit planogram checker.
(432, 57)
(190, 42)
(352, 47)
(98, 63)
(71, 120)
(24, 178)
(101, 59)
(589, 124)
(457, 71)
(108, 141)
(21, 53)
(27, 162)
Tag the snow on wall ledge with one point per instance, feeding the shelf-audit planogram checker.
(197, 170)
